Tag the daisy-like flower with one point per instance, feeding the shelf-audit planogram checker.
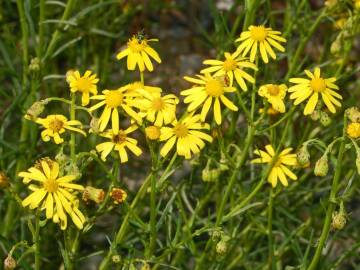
(53, 193)
(233, 65)
(260, 37)
(280, 169)
(158, 109)
(185, 133)
(56, 124)
(312, 88)
(85, 84)
(208, 88)
(275, 95)
(119, 141)
(138, 52)
(113, 101)
(135, 88)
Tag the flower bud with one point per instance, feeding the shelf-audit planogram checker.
(210, 175)
(4, 180)
(152, 132)
(353, 130)
(222, 163)
(145, 266)
(34, 64)
(116, 259)
(221, 247)
(325, 120)
(61, 158)
(338, 220)
(321, 166)
(353, 114)
(118, 195)
(315, 115)
(9, 263)
(216, 235)
(35, 110)
(93, 194)
(94, 125)
(303, 156)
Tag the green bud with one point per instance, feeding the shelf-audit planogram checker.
(210, 175)
(216, 235)
(353, 114)
(221, 247)
(325, 120)
(338, 220)
(9, 263)
(35, 110)
(34, 64)
(145, 266)
(321, 166)
(94, 125)
(303, 156)
(315, 115)
(116, 258)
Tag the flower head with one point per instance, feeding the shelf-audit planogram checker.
(53, 192)
(119, 142)
(312, 88)
(56, 124)
(353, 130)
(232, 66)
(156, 108)
(138, 52)
(185, 133)
(85, 84)
(113, 100)
(208, 89)
(118, 195)
(275, 95)
(262, 38)
(279, 169)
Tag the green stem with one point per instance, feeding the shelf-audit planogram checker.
(331, 203)
(41, 28)
(250, 13)
(37, 241)
(269, 230)
(72, 136)
(142, 77)
(24, 39)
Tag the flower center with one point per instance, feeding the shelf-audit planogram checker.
(113, 99)
(318, 84)
(158, 104)
(258, 33)
(51, 185)
(83, 85)
(56, 125)
(135, 45)
(214, 88)
(229, 64)
(273, 90)
(119, 138)
(180, 130)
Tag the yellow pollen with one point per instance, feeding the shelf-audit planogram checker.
(119, 138)
(214, 88)
(51, 185)
(113, 99)
(229, 64)
(258, 33)
(180, 130)
(318, 84)
(158, 104)
(135, 46)
(273, 90)
(56, 125)
(84, 84)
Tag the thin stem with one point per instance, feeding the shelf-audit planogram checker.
(269, 230)
(142, 77)
(72, 136)
(331, 203)
(41, 28)
(24, 39)
(37, 241)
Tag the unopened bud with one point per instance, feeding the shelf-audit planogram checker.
(4, 180)
(353, 114)
(221, 247)
(35, 110)
(93, 194)
(210, 175)
(9, 263)
(353, 130)
(116, 259)
(118, 195)
(61, 158)
(338, 220)
(94, 125)
(315, 115)
(321, 166)
(145, 266)
(303, 156)
(216, 235)
(325, 120)
(152, 132)
(34, 64)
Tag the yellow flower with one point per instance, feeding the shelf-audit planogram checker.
(119, 142)
(274, 95)
(114, 99)
(208, 88)
(233, 65)
(138, 52)
(313, 87)
(279, 170)
(185, 133)
(152, 132)
(133, 89)
(353, 130)
(357, 4)
(85, 84)
(262, 37)
(55, 125)
(156, 108)
(270, 111)
(53, 193)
